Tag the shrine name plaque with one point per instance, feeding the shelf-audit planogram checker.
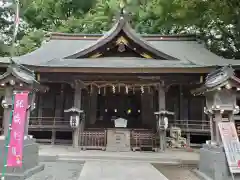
(118, 140)
(231, 145)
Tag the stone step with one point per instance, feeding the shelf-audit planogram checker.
(161, 160)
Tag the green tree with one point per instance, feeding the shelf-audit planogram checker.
(47, 14)
(215, 21)
(5, 23)
(218, 23)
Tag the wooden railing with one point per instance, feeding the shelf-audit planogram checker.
(143, 139)
(192, 125)
(93, 139)
(48, 122)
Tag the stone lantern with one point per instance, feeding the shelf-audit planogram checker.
(220, 89)
(18, 78)
(162, 125)
(76, 116)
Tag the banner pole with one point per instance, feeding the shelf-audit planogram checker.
(7, 140)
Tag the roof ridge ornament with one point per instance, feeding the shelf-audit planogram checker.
(122, 5)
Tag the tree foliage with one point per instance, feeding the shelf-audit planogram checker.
(4, 29)
(217, 22)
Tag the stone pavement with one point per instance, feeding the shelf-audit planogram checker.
(59, 171)
(67, 163)
(67, 153)
(119, 170)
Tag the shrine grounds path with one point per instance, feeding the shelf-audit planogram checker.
(66, 163)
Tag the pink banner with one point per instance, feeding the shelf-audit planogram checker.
(15, 150)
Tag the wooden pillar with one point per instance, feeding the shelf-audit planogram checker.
(31, 100)
(53, 138)
(40, 110)
(188, 139)
(7, 111)
(59, 104)
(181, 112)
(85, 106)
(93, 105)
(161, 98)
(147, 111)
(59, 110)
(162, 106)
(77, 104)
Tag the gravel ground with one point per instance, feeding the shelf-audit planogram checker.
(176, 172)
(59, 171)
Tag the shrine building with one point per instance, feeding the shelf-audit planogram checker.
(118, 74)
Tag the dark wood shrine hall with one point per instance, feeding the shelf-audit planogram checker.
(118, 74)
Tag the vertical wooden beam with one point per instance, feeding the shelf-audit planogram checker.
(161, 98)
(203, 114)
(53, 140)
(56, 104)
(39, 106)
(181, 112)
(162, 106)
(147, 111)
(31, 100)
(77, 104)
(59, 102)
(93, 105)
(188, 139)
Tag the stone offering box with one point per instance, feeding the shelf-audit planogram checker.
(118, 138)
(120, 123)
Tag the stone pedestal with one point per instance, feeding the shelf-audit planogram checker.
(30, 161)
(213, 164)
(118, 140)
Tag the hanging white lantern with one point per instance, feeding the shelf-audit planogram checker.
(142, 89)
(126, 89)
(113, 89)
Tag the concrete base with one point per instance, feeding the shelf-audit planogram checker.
(213, 164)
(30, 161)
(118, 140)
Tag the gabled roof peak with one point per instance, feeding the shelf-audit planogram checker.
(122, 30)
